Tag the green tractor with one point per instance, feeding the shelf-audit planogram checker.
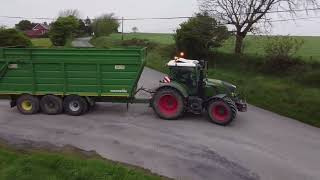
(187, 89)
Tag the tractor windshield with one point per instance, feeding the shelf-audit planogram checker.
(185, 75)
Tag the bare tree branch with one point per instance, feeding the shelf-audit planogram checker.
(245, 14)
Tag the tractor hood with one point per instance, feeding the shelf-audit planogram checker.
(222, 84)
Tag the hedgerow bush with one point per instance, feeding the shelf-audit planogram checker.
(281, 54)
(12, 37)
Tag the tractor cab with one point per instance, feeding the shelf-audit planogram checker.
(190, 73)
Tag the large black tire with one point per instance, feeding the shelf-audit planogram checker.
(222, 111)
(51, 105)
(75, 105)
(28, 104)
(168, 104)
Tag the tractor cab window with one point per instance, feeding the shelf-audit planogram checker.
(185, 75)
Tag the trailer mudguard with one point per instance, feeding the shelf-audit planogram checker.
(174, 85)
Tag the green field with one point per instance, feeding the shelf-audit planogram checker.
(41, 42)
(155, 37)
(39, 165)
(254, 45)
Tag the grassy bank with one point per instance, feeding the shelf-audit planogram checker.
(41, 42)
(155, 37)
(291, 95)
(39, 165)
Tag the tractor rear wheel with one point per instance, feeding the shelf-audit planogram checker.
(222, 111)
(75, 105)
(51, 105)
(28, 104)
(168, 104)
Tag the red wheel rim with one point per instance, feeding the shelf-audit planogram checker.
(168, 105)
(220, 112)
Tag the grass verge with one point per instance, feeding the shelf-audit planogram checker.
(41, 43)
(66, 165)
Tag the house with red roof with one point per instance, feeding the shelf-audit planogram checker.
(38, 31)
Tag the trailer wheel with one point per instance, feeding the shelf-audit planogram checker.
(51, 105)
(168, 104)
(222, 111)
(75, 105)
(28, 104)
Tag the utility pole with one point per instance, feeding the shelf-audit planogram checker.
(122, 30)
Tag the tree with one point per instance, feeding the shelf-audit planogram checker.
(63, 29)
(88, 26)
(105, 25)
(135, 29)
(24, 25)
(12, 37)
(200, 33)
(245, 15)
(70, 12)
(81, 29)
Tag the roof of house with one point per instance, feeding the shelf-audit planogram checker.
(44, 26)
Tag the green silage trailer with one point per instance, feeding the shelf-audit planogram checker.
(104, 74)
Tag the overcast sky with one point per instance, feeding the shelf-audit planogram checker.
(137, 9)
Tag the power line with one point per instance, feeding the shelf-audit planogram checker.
(295, 10)
(295, 19)
(21, 17)
(157, 18)
(278, 11)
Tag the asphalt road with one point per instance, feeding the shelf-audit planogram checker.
(259, 144)
(82, 42)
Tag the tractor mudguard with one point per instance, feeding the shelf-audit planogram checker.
(219, 96)
(180, 88)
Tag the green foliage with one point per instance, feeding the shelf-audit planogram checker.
(198, 35)
(65, 166)
(283, 47)
(24, 25)
(280, 53)
(12, 37)
(63, 29)
(81, 31)
(105, 25)
(310, 78)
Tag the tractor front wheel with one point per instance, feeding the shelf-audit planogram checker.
(168, 104)
(222, 111)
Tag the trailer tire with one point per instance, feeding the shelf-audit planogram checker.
(28, 104)
(168, 104)
(75, 105)
(222, 111)
(51, 105)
